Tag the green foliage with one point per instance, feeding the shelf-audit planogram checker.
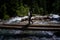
(22, 10)
(56, 5)
(6, 16)
(21, 7)
(36, 9)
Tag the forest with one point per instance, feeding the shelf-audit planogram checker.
(12, 8)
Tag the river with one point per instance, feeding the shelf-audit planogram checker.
(8, 34)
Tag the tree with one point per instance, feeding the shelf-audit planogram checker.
(18, 7)
(56, 6)
(22, 10)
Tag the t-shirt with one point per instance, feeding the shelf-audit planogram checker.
(29, 14)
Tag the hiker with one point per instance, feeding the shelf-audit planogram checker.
(30, 15)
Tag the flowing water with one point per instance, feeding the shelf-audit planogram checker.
(7, 34)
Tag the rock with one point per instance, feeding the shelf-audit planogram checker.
(57, 34)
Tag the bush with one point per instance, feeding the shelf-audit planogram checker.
(6, 17)
(22, 10)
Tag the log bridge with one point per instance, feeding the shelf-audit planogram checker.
(47, 27)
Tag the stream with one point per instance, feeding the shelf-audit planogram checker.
(7, 34)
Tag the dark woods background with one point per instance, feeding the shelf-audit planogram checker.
(10, 8)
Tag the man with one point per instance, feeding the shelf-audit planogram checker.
(30, 15)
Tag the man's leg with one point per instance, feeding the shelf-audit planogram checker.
(29, 20)
(32, 21)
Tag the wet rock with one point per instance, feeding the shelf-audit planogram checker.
(32, 35)
(57, 34)
(47, 34)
